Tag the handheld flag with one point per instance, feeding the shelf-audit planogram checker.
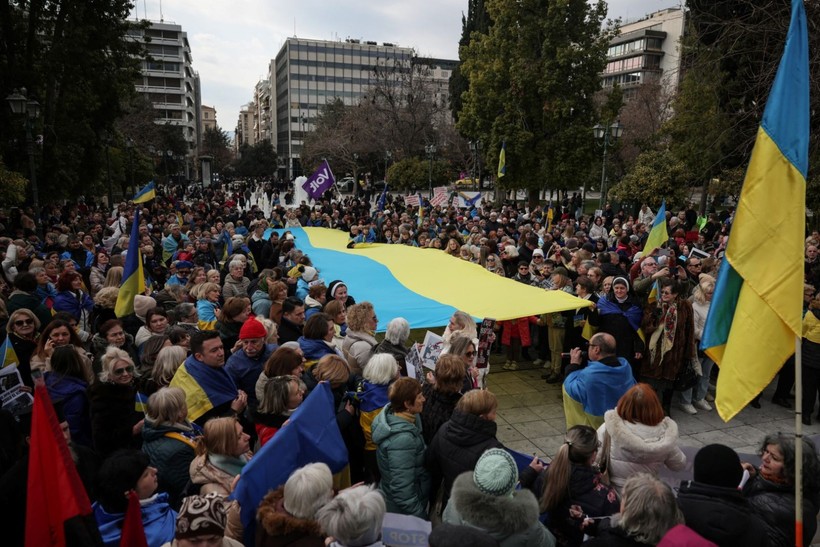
(148, 193)
(654, 292)
(7, 354)
(319, 182)
(133, 277)
(658, 235)
(756, 309)
(550, 216)
(468, 200)
(382, 199)
(502, 160)
(133, 531)
(311, 436)
(56, 494)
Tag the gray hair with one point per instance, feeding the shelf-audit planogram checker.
(184, 310)
(354, 517)
(398, 330)
(167, 362)
(166, 405)
(236, 264)
(307, 490)
(381, 369)
(649, 509)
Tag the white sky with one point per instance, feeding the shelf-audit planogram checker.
(232, 41)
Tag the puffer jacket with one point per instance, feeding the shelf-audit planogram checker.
(312, 307)
(457, 446)
(171, 450)
(213, 479)
(316, 349)
(358, 349)
(245, 371)
(640, 448)
(405, 482)
(235, 287)
(721, 515)
(277, 528)
(773, 504)
(510, 520)
(261, 303)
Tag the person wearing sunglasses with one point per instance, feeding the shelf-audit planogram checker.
(22, 328)
(115, 421)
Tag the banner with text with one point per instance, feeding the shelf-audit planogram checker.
(319, 182)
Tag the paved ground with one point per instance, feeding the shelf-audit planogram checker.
(531, 420)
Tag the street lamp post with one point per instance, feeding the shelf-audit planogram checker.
(475, 147)
(608, 135)
(20, 104)
(388, 157)
(431, 151)
(129, 145)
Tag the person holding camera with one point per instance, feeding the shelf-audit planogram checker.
(593, 388)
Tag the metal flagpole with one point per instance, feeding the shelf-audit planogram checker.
(798, 443)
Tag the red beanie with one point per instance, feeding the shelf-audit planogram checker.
(252, 329)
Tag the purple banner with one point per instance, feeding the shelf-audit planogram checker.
(319, 182)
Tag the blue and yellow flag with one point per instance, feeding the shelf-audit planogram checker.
(659, 235)
(205, 387)
(146, 194)
(756, 309)
(7, 354)
(502, 160)
(654, 292)
(133, 277)
(141, 402)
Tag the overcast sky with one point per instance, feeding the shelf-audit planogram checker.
(232, 41)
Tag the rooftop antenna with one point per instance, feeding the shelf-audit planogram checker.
(294, 27)
(161, 17)
(144, 9)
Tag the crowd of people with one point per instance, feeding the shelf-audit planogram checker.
(237, 326)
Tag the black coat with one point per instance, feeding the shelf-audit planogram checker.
(289, 331)
(721, 515)
(457, 446)
(438, 408)
(774, 505)
(614, 537)
(629, 343)
(113, 416)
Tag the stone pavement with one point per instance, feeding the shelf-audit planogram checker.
(531, 420)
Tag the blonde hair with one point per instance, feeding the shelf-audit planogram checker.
(203, 289)
(477, 402)
(358, 315)
(166, 363)
(218, 437)
(270, 327)
(107, 297)
(111, 357)
(333, 369)
(113, 278)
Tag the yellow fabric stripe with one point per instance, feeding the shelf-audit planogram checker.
(768, 314)
(454, 282)
(195, 397)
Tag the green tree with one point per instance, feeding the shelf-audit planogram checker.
(12, 187)
(656, 175)
(414, 174)
(532, 82)
(216, 143)
(476, 20)
(258, 160)
(74, 59)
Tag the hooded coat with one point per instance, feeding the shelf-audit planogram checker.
(400, 449)
(640, 448)
(511, 520)
(721, 515)
(358, 349)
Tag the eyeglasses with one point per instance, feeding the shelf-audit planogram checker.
(667, 293)
(122, 371)
(184, 272)
(470, 354)
(116, 334)
(695, 264)
(23, 322)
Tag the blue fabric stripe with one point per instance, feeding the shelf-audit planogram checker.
(785, 119)
(661, 216)
(722, 310)
(369, 280)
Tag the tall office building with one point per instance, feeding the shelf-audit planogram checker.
(307, 74)
(647, 50)
(169, 81)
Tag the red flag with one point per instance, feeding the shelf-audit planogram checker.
(55, 492)
(133, 533)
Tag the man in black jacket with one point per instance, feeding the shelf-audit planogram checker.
(712, 504)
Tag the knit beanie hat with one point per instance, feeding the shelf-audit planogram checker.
(718, 465)
(308, 274)
(201, 516)
(252, 329)
(495, 473)
(142, 304)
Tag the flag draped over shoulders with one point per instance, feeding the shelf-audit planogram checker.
(756, 309)
(205, 387)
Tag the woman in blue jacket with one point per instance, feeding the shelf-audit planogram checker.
(72, 299)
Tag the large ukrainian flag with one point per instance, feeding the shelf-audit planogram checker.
(755, 314)
(659, 233)
(133, 278)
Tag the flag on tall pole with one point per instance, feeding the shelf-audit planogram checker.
(658, 235)
(756, 309)
(502, 160)
(148, 193)
(55, 493)
(133, 277)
